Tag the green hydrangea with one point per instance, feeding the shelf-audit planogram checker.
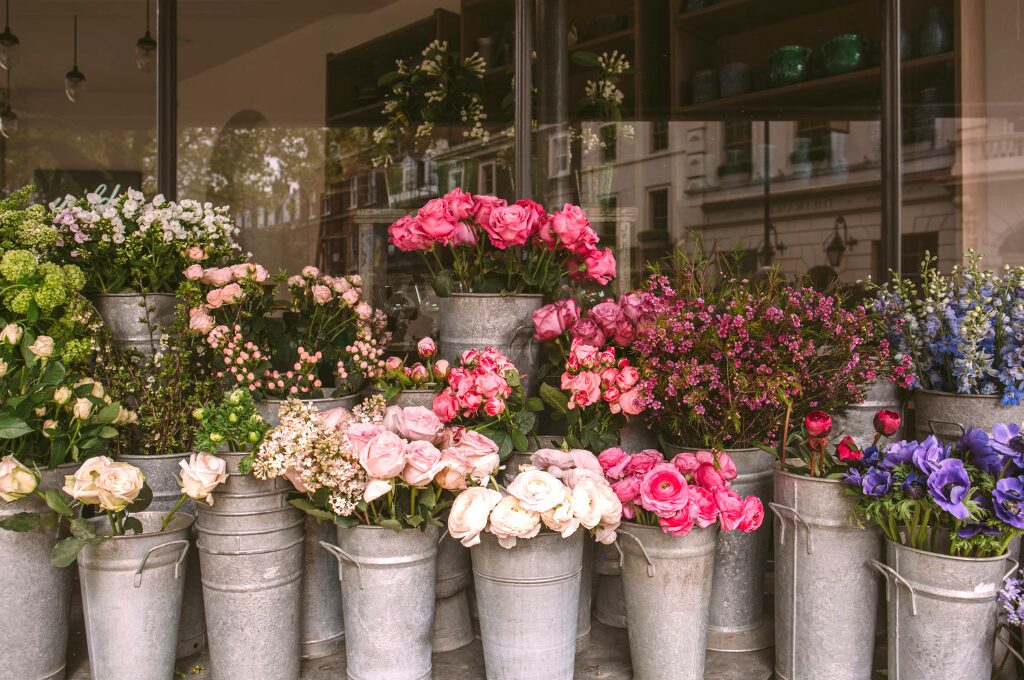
(21, 302)
(74, 277)
(76, 351)
(17, 264)
(52, 293)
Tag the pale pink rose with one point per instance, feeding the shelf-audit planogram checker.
(406, 235)
(392, 416)
(629, 402)
(680, 523)
(446, 406)
(588, 332)
(196, 254)
(627, 489)
(194, 272)
(460, 203)
(436, 220)
(753, 514)
(296, 281)
(392, 364)
(333, 418)
(607, 315)
(375, 488)
(341, 285)
(350, 296)
(417, 423)
(214, 299)
(422, 463)
(199, 320)
(231, 293)
(453, 471)
(470, 512)
(600, 266)
(494, 406)
(250, 271)
(663, 490)
(551, 321)
(426, 347)
(511, 521)
(707, 509)
(463, 235)
(628, 377)
(294, 476)
(364, 311)
(537, 490)
(359, 435)
(686, 463)
(561, 518)
(509, 226)
(585, 387)
(480, 453)
(384, 456)
(321, 294)
(82, 485)
(310, 272)
(219, 276)
(613, 461)
(730, 507)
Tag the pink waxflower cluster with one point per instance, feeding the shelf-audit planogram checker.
(462, 220)
(690, 490)
(609, 321)
(594, 376)
(478, 387)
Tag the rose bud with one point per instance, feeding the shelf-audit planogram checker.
(441, 369)
(426, 348)
(418, 373)
(887, 422)
(393, 364)
(848, 451)
(818, 423)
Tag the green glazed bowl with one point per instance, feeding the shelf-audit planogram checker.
(789, 64)
(845, 53)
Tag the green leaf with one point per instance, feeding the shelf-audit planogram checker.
(393, 524)
(526, 421)
(53, 375)
(56, 502)
(535, 404)
(132, 524)
(442, 284)
(66, 551)
(504, 442)
(312, 510)
(392, 392)
(23, 521)
(426, 498)
(107, 414)
(83, 529)
(12, 427)
(58, 451)
(519, 441)
(413, 520)
(345, 522)
(513, 379)
(585, 58)
(141, 501)
(555, 398)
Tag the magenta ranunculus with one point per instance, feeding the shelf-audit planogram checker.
(680, 523)
(708, 477)
(663, 490)
(551, 321)
(436, 220)
(818, 423)
(588, 332)
(613, 461)
(640, 463)
(627, 489)
(607, 315)
(730, 507)
(707, 509)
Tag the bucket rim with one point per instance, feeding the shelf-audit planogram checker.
(956, 558)
(172, 529)
(807, 478)
(957, 395)
(100, 296)
(538, 296)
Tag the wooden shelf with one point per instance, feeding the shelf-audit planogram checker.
(593, 45)
(842, 92)
(727, 17)
(367, 113)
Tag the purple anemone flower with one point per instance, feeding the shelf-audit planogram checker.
(928, 454)
(950, 486)
(1008, 501)
(1004, 441)
(979, 451)
(876, 483)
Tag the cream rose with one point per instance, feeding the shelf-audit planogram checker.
(561, 517)
(422, 462)
(537, 490)
(611, 514)
(3, 368)
(62, 394)
(11, 334)
(16, 480)
(117, 485)
(375, 488)
(511, 521)
(480, 453)
(469, 514)
(82, 485)
(201, 474)
(82, 408)
(42, 347)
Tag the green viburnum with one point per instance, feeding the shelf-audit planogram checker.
(17, 264)
(25, 228)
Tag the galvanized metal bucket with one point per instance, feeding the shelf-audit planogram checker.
(160, 473)
(251, 548)
(477, 320)
(528, 598)
(323, 628)
(667, 581)
(826, 593)
(453, 625)
(132, 588)
(36, 603)
(407, 398)
(387, 585)
(137, 321)
(858, 420)
(942, 613)
(609, 599)
(637, 436)
(947, 415)
(737, 621)
(268, 408)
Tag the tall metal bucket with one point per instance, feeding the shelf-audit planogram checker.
(136, 321)
(636, 436)
(667, 581)
(407, 398)
(268, 408)
(251, 549)
(160, 473)
(387, 583)
(477, 320)
(132, 588)
(826, 592)
(323, 628)
(453, 625)
(859, 420)
(737, 620)
(942, 613)
(36, 604)
(528, 598)
(946, 415)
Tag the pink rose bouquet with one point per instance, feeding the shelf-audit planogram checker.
(323, 337)
(690, 490)
(482, 244)
(485, 393)
(425, 374)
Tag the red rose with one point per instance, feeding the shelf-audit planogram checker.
(848, 451)
(887, 423)
(818, 423)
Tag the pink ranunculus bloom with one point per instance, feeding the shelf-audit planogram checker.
(446, 406)
(194, 272)
(607, 315)
(708, 477)
(218, 276)
(753, 514)
(483, 205)
(509, 226)
(588, 332)
(551, 321)
(422, 463)
(726, 466)
(627, 489)
(641, 462)
(680, 523)
(426, 347)
(436, 220)
(730, 507)
(600, 266)
(630, 402)
(199, 320)
(196, 254)
(406, 234)
(707, 509)
(384, 456)
(686, 462)
(663, 490)
(321, 294)
(613, 461)
(460, 203)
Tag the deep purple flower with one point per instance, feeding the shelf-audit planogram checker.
(979, 451)
(853, 477)
(876, 483)
(950, 486)
(914, 485)
(1003, 436)
(1008, 501)
(897, 453)
(871, 456)
(972, 530)
(928, 454)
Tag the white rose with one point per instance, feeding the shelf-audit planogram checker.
(118, 484)
(49, 424)
(469, 513)
(61, 395)
(16, 480)
(201, 475)
(587, 504)
(82, 485)
(3, 368)
(611, 514)
(537, 490)
(42, 347)
(561, 518)
(510, 521)
(97, 390)
(11, 334)
(124, 416)
(82, 408)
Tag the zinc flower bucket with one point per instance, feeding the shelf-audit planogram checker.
(36, 605)
(858, 420)
(667, 581)
(251, 550)
(826, 592)
(132, 589)
(388, 583)
(453, 625)
(947, 415)
(137, 321)
(528, 598)
(942, 612)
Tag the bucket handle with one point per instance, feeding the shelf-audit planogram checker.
(137, 580)
(1009, 643)
(780, 510)
(888, 571)
(524, 335)
(1012, 569)
(443, 535)
(931, 425)
(651, 571)
(340, 555)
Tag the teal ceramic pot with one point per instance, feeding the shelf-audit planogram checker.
(789, 64)
(845, 53)
(705, 85)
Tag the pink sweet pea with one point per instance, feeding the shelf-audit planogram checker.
(663, 490)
